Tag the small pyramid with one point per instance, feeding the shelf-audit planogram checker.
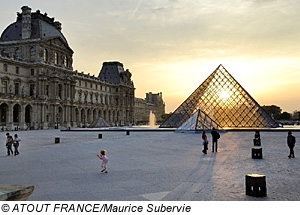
(99, 123)
(199, 121)
(226, 101)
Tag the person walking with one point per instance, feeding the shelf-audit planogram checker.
(104, 159)
(16, 144)
(9, 143)
(215, 136)
(257, 135)
(291, 140)
(205, 142)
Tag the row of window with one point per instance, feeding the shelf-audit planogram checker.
(103, 99)
(105, 88)
(17, 53)
(5, 69)
(16, 91)
(65, 60)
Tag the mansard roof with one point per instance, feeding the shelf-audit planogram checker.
(114, 72)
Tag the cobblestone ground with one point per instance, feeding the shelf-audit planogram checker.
(149, 166)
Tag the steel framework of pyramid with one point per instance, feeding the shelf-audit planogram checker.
(227, 103)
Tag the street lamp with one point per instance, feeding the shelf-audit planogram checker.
(84, 120)
(57, 121)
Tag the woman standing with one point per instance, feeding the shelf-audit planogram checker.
(205, 142)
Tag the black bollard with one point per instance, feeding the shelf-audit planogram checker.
(99, 136)
(257, 153)
(127, 132)
(256, 185)
(57, 140)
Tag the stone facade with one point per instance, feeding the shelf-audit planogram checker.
(142, 107)
(39, 88)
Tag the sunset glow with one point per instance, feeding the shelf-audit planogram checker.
(172, 46)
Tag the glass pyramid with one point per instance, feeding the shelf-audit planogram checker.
(225, 101)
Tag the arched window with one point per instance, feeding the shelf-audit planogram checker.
(66, 61)
(16, 113)
(4, 86)
(45, 55)
(59, 90)
(18, 54)
(56, 58)
(28, 111)
(17, 88)
(31, 89)
(32, 53)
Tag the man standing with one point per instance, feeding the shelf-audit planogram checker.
(215, 136)
(9, 142)
(291, 140)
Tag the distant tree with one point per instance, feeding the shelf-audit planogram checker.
(296, 115)
(285, 116)
(273, 110)
(165, 116)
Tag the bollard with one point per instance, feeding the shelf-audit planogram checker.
(127, 132)
(57, 140)
(256, 185)
(99, 136)
(257, 153)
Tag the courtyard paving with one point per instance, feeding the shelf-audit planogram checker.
(151, 166)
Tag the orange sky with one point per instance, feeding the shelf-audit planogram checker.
(172, 46)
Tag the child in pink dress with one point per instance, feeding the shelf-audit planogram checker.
(104, 159)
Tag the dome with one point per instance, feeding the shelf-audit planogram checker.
(32, 26)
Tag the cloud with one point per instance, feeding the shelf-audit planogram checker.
(136, 9)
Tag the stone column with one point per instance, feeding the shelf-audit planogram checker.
(44, 123)
(54, 117)
(22, 121)
(10, 123)
(68, 124)
(72, 118)
(35, 116)
(78, 121)
(85, 118)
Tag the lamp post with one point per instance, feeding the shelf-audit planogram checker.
(57, 121)
(84, 120)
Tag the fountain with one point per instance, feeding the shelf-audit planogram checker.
(152, 119)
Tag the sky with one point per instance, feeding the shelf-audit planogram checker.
(172, 46)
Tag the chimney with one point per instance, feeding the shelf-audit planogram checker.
(57, 25)
(26, 22)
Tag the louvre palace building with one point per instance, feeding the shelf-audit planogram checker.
(39, 88)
